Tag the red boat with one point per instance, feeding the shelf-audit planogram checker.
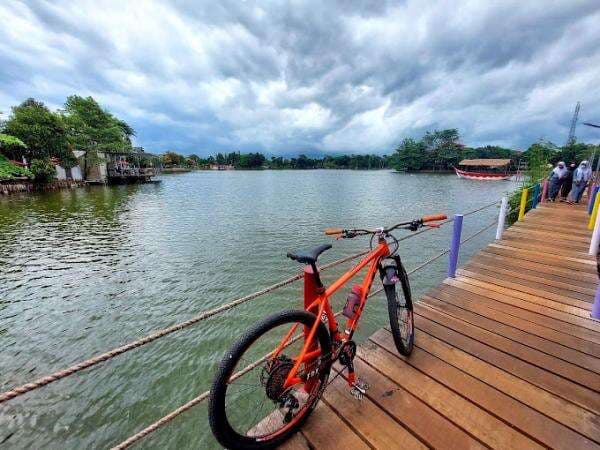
(484, 169)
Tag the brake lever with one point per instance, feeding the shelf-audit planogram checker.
(433, 225)
(415, 225)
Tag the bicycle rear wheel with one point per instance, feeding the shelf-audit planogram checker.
(400, 310)
(249, 407)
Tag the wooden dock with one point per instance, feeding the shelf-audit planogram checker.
(506, 355)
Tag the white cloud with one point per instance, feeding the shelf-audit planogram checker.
(348, 76)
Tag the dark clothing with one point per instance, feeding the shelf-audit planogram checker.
(555, 185)
(566, 187)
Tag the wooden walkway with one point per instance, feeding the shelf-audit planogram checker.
(506, 355)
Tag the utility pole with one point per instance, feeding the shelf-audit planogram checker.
(571, 138)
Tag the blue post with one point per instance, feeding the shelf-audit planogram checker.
(593, 199)
(596, 305)
(536, 195)
(455, 247)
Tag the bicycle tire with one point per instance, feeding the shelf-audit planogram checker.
(404, 344)
(225, 434)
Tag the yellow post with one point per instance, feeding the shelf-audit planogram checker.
(594, 213)
(523, 203)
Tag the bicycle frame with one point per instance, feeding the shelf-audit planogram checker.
(321, 307)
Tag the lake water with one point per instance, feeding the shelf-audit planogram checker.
(86, 270)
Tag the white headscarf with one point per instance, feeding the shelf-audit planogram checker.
(560, 170)
(583, 172)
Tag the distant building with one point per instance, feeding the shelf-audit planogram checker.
(66, 173)
(222, 167)
(120, 167)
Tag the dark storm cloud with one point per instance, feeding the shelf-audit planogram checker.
(323, 76)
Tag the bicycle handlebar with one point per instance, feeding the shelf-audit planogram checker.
(413, 225)
(434, 217)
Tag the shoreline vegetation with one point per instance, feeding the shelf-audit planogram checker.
(34, 138)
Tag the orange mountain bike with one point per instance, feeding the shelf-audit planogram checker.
(271, 380)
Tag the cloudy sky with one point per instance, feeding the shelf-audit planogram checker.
(288, 77)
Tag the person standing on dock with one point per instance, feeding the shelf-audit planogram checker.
(580, 180)
(557, 178)
(566, 187)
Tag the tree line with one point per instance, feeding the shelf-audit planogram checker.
(258, 160)
(441, 150)
(36, 133)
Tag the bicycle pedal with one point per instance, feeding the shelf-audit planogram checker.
(362, 385)
(357, 393)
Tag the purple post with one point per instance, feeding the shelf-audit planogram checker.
(596, 305)
(455, 247)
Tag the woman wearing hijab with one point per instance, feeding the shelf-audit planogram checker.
(566, 187)
(557, 178)
(580, 179)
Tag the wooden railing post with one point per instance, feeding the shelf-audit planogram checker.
(594, 213)
(592, 199)
(455, 246)
(523, 203)
(595, 242)
(501, 217)
(545, 191)
(536, 194)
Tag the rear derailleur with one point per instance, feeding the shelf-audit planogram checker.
(358, 387)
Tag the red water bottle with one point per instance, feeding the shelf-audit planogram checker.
(353, 301)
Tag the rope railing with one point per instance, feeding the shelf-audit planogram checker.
(164, 420)
(48, 379)
(94, 361)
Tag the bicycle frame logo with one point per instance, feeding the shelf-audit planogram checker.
(316, 300)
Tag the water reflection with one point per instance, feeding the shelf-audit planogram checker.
(85, 270)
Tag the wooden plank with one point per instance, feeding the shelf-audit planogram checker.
(565, 240)
(480, 424)
(586, 265)
(527, 288)
(296, 442)
(528, 373)
(546, 327)
(540, 225)
(499, 326)
(431, 427)
(551, 284)
(368, 420)
(573, 277)
(548, 247)
(324, 429)
(578, 321)
(574, 373)
(522, 416)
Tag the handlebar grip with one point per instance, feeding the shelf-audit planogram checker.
(333, 231)
(434, 217)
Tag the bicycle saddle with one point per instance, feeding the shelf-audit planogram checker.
(309, 256)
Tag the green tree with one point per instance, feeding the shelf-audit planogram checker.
(11, 146)
(89, 127)
(538, 156)
(43, 170)
(172, 158)
(42, 130)
(411, 155)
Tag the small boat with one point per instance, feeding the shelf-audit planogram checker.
(484, 169)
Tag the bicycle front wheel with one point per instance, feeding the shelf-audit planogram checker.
(249, 407)
(400, 309)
